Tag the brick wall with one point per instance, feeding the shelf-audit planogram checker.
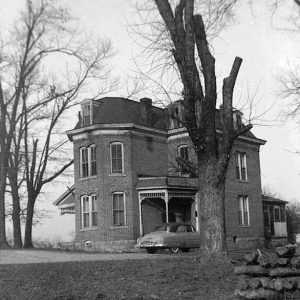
(147, 154)
(142, 156)
(234, 188)
(104, 185)
(251, 188)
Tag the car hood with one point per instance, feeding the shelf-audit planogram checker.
(155, 235)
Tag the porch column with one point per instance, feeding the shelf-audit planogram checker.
(167, 206)
(197, 211)
(140, 214)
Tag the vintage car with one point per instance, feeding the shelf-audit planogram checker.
(174, 236)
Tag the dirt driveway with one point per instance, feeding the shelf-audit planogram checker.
(48, 256)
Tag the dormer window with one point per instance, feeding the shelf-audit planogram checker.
(176, 115)
(87, 114)
(88, 111)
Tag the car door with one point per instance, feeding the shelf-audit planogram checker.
(181, 235)
(192, 237)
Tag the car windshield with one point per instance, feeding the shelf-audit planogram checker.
(163, 227)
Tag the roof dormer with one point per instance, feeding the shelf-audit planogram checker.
(88, 110)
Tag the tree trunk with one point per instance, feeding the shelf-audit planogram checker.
(3, 242)
(16, 221)
(259, 294)
(28, 225)
(212, 209)
(251, 270)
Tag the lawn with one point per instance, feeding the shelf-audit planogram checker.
(176, 277)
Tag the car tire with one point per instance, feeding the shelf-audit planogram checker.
(151, 250)
(175, 249)
(185, 249)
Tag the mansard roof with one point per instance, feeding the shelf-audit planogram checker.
(118, 110)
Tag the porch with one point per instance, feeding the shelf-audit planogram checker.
(274, 217)
(167, 199)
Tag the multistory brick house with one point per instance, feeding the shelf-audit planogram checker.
(127, 180)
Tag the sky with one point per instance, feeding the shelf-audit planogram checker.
(254, 35)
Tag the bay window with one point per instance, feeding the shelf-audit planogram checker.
(89, 211)
(116, 158)
(119, 209)
(88, 161)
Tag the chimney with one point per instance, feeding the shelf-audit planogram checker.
(237, 119)
(146, 110)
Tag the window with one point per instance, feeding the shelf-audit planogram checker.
(84, 162)
(88, 161)
(244, 211)
(267, 223)
(183, 152)
(282, 214)
(279, 214)
(87, 114)
(116, 155)
(276, 214)
(93, 160)
(241, 166)
(118, 209)
(181, 228)
(89, 211)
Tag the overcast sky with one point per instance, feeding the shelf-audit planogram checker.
(254, 36)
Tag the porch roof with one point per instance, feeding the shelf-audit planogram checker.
(272, 200)
(165, 182)
(66, 199)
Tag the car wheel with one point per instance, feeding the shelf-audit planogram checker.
(175, 249)
(151, 250)
(185, 249)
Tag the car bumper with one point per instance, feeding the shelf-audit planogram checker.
(152, 245)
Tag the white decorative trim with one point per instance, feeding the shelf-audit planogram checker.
(180, 133)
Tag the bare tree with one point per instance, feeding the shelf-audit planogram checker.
(195, 65)
(46, 66)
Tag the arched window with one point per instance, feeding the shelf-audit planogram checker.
(116, 158)
(244, 217)
(241, 166)
(88, 161)
(183, 153)
(88, 206)
(119, 218)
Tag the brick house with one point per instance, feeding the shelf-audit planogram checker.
(127, 181)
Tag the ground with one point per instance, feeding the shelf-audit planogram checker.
(116, 276)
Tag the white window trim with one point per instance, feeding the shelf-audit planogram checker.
(89, 211)
(182, 146)
(241, 200)
(244, 155)
(124, 205)
(122, 150)
(89, 150)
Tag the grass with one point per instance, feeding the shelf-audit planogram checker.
(176, 277)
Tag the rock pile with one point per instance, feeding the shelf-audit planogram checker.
(269, 276)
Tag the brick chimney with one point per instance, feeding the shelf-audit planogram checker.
(146, 110)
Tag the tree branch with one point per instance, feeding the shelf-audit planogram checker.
(58, 172)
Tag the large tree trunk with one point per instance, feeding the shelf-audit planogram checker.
(212, 216)
(28, 225)
(3, 242)
(16, 221)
